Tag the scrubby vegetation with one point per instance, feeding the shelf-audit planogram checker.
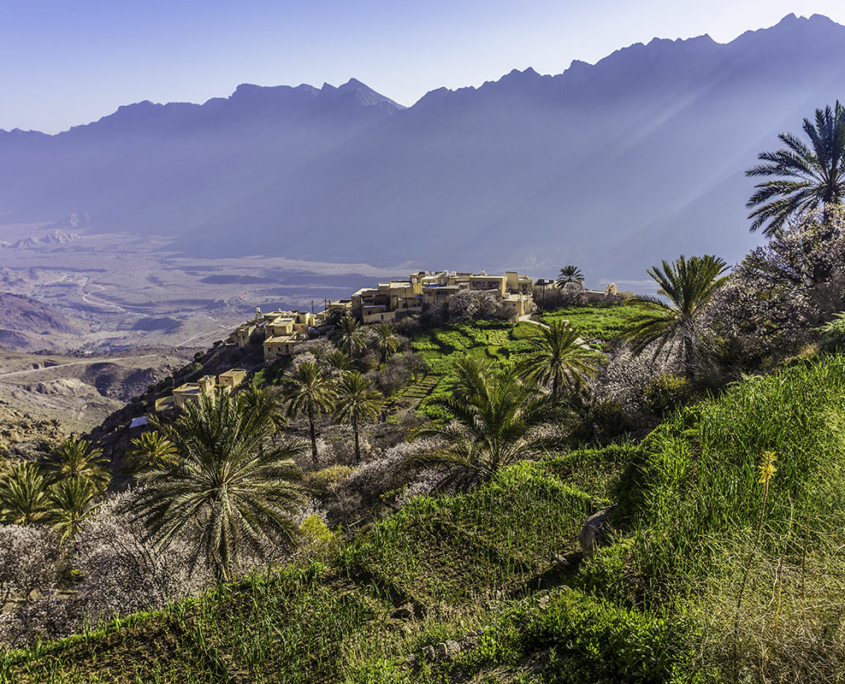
(671, 509)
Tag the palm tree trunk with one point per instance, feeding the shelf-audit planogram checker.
(357, 445)
(313, 434)
(688, 360)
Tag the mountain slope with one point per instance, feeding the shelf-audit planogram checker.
(633, 151)
(29, 325)
(613, 165)
(161, 168)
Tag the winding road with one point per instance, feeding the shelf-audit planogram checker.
(65, 365)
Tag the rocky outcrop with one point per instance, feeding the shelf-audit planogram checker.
(594, 531)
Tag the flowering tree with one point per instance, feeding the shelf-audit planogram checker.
(467, 305)
(783, 290)
(28, 561)
(121, 572)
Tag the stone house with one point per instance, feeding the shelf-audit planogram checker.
(206, 385)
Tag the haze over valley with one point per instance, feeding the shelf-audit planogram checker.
(164, 224)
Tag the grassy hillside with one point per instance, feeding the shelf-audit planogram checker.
(597, 323)
(497, 342)
(709, 575)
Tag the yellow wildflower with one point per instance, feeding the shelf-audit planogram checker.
(767, 467)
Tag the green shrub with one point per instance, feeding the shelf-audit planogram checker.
(318, 541)
(323, 481)
(833, 334)
(667, 393)
(593, 641)
(608, 574)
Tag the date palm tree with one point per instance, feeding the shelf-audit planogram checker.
(493, 419)
(803, 176)
(569, 274)
(386, 340)
(557, 358)
(152, 448)
(228, 491)
(264, 406)
(337, 362)
(71, 502)
(356, 402)
(23, 495)
(350, 336)
(689, 285)
(308, 391)
(75, 459)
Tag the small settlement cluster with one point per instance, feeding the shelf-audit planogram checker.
(280, 332)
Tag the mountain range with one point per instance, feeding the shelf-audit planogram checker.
(612, 166)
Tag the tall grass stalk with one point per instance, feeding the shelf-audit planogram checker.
(767, 471)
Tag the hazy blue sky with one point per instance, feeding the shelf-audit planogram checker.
(66, 62)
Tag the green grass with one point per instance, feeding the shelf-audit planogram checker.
(494, 340)
(502, 343)
(600, 323)
(497, 342)
(291, 626)
(446, 549)
(699, 474)
(699, 580)
(323, 623)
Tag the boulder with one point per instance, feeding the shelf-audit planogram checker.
(447, 649)
(469, 642)
(591, 535)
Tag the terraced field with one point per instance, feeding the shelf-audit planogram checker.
(598, 324)
(496, 341)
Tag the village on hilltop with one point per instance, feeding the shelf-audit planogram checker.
(280, 332)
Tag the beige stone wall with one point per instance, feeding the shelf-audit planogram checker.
(484, 283)
(379, 317)
(231, 378)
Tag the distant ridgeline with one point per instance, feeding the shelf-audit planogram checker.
(521, 170)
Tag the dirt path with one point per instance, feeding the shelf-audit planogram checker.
(98, 301)
(527, 319)
(58, 366)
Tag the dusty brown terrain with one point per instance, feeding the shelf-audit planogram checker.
(109, 314)
(130, 291)
(78, 391)
(29, 325)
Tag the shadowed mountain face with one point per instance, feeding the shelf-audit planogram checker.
(612, 166)
(27, 324)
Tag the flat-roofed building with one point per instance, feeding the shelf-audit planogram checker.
(205, 386)
(282, 345)
(232, 378)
